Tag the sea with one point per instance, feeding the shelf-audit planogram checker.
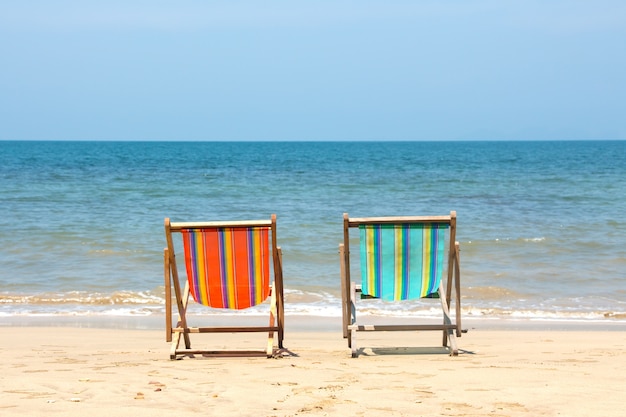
(540, 223)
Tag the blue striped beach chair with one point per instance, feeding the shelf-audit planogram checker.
(402, 258)
(227, 266)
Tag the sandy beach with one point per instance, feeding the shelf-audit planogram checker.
(74, 371)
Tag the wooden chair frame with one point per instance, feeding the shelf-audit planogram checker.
(350, 289)
(182, 329)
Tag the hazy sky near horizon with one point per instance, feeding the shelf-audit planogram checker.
(312, 70)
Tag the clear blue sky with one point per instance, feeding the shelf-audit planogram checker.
(312, 70)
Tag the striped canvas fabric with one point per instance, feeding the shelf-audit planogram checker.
(228, 267)
(402, 261)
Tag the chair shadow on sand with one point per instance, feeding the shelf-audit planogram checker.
(409, 350)
(278, 354)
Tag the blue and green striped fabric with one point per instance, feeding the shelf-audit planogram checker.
(402, 261)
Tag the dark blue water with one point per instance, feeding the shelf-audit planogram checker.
(540, 223)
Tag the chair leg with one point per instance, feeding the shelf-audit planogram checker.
(454, 350)
(174, 345)
(270, 345)
(270, 336)
(345, 307)
(352, 337)
(352, 331)
(280, 302)
(457, 332)
(449, 334)
(168, 296)
(280, 332)
(351, 314)
(444, 343)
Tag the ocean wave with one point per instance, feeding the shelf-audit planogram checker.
(83, 298)
(498, 240)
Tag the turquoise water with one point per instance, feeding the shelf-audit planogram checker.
(540, 223)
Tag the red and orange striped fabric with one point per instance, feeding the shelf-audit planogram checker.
(228, 267)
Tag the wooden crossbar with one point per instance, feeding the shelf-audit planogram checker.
(178, 226)
(401, 327)
(234, 329)
(357, 221)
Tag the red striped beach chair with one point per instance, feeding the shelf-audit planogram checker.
(402, 258)
(227, 266)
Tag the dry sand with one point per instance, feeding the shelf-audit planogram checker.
(88, 372)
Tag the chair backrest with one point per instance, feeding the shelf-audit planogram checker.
(402, 258)
(228, 263)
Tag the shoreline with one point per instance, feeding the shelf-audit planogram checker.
(300, 323)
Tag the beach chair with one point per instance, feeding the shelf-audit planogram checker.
(402, 258)
(227, 265)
